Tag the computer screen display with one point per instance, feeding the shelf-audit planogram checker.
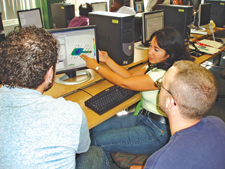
(30, 17)
(99, 6)
(151, 22)
(138, 5)
(74, 42)
(204, 14)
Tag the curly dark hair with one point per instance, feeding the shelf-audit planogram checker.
(172, 42)
(26, 55)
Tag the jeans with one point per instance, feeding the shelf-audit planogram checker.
(94, 158)
(131, 134)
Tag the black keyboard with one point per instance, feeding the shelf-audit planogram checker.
(220, 34)
(109, 98)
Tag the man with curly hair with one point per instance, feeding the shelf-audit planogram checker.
(36, 131)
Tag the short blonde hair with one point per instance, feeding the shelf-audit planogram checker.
(195, 90)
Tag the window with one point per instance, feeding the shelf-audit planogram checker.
(9, 8)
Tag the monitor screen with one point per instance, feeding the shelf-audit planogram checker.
(30, 17)
(204, 14)
(74, 42)
(99, 6)
(138, 6)
(151, 22)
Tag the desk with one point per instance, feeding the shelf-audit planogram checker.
(97, 84)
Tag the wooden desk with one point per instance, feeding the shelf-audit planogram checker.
(97, 84)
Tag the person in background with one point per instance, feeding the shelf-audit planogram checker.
(119, 7)
(37, 131)
(188, 91)
(151, 5)
(83, 19)
(147, 130)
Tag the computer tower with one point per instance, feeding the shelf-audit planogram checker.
(62, 14)
(177, 16)
(1, 24)
(115, 34)
(217, 12)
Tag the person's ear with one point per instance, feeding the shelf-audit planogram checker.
(170, 102)
(49, 75)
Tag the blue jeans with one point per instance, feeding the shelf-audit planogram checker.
(131, 134)
(94, 158)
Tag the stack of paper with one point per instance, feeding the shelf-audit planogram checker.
(211, 43)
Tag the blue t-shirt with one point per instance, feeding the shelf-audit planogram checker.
(201, 146)
(38, 131)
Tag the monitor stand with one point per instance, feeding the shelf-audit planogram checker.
(62, 79)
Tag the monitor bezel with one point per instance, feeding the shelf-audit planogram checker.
(68, 71)
(200, 13)
(144, 41)
(103, 2)
(21, 11)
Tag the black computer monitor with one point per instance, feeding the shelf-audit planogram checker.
(178, 17)
(151, 22)
(99, 6)
(217, 12)
(204, 14)
(30, 17)
(74, 42)
(138, 6)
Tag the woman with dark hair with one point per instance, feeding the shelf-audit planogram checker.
(146, 130)
(83, 19)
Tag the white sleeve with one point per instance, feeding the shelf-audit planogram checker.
(84, 141)
(155, 74)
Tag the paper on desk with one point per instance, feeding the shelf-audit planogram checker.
(207, 49)
(211, 43)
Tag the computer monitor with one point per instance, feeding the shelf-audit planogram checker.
(74, 42)
(178, 17)
(151, 22)
(217, 12)
(99, 6)
(204, 14)
(138, 6)
(30, 17)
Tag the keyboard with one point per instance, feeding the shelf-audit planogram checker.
(109, 98)
(220, 34)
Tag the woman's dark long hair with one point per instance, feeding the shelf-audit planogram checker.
(172, 42)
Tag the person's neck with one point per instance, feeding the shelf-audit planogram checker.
(180, 123)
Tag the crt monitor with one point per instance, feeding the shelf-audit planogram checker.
(138, 6)
(74, 42)
(151, 22)
(204, 14)
(99, 6)
(30, 17)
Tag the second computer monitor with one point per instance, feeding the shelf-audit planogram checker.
(99, 6)
(204, 14)
(30, 17)
(151, 22)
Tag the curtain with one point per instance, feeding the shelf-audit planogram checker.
(9, 8)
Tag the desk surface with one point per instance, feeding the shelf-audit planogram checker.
(97, 84)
